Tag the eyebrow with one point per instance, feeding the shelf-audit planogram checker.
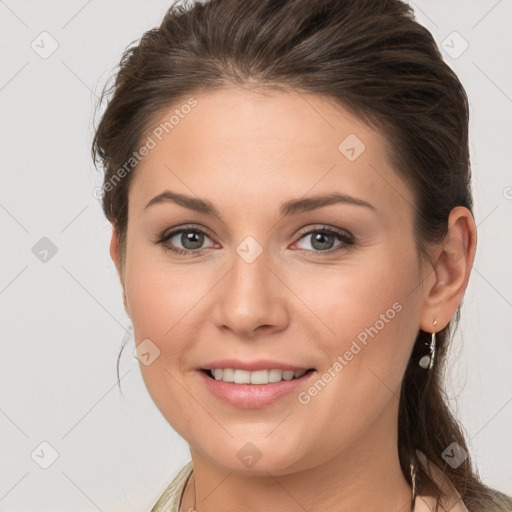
(291, 207)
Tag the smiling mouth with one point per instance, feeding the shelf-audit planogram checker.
(259, 377)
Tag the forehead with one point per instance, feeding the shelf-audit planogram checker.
(241, 144)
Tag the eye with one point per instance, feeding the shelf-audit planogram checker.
(322, 239)
(191, 240)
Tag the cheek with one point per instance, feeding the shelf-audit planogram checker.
(159, 295)
(373, 318)
(164, 309)
(363, 311)
(349, 299)
(368, 315)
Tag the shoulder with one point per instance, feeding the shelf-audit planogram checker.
(169, 501)
(451, 499)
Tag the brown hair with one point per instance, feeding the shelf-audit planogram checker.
(375, 60)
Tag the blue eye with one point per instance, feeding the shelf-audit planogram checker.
(322, 240)
(192, 240)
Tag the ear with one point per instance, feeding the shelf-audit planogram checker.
(115, 254)
(452, 266)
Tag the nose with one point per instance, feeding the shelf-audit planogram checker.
(252, 298)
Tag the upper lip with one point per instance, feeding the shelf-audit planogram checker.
(251, 366)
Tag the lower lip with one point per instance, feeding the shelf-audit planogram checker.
(252, 396)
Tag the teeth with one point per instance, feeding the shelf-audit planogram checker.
(275, 375)
(228, 375)
(257, 377)
(241, 377)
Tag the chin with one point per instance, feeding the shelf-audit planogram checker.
(259, 456)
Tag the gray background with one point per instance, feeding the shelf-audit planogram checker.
(62, 320)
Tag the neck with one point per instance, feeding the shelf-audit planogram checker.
(364, 476)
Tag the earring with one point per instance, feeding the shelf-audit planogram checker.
(413, 484)
(427, 362)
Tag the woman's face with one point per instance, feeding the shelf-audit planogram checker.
(269, 284)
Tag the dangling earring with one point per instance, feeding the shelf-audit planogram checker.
(427, 362)
(413, 485)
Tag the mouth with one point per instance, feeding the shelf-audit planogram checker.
(258, 377)
(246, 389)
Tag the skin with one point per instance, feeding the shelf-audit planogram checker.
(247, 153)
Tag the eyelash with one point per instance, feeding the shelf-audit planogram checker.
(347, 239)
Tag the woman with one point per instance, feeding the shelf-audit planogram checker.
(289, 188)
